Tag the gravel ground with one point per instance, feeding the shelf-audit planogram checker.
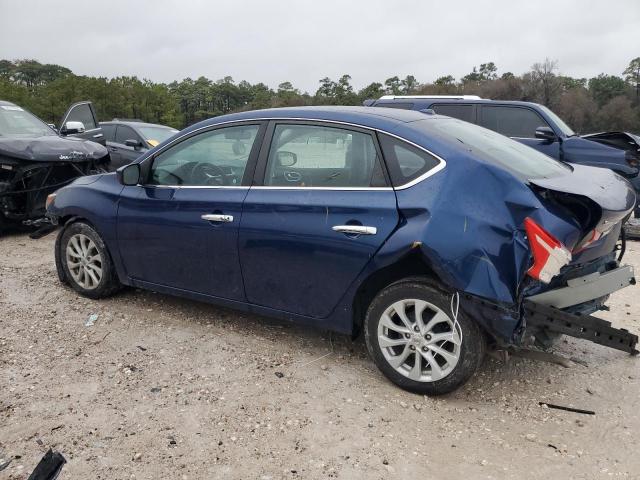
(162, 387)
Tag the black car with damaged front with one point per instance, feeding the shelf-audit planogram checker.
(36, 160)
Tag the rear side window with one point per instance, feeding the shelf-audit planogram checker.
(109, 132)
(319, 156)
(405, 162)
(511, 121)
(461, 112)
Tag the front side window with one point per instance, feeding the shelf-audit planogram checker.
(109, 132)
(124, 133)
(318, 156)
(405, 162)
(516, 122)
(214, 158)
(462, 112)
(82, 113)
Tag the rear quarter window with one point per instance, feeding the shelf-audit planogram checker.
(405, 161)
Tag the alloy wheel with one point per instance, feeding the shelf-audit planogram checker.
(84, 261)
(419, 340)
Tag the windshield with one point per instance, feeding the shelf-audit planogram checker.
(156, 135)
(16, 122)
(491, 147)
(558, 121)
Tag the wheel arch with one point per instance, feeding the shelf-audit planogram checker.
(413, 266)
(65, 221)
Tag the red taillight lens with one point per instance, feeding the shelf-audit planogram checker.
(549, 254)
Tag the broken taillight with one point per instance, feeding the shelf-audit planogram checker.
(549, 254)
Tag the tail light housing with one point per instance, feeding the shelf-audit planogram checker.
(633, 159)
(549, 254)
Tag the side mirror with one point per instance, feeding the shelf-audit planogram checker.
(133, 143)
(545, 133)
(286, 159)
(70, 128)
(129, 175)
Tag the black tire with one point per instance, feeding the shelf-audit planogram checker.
(108, 282)
(470, 351)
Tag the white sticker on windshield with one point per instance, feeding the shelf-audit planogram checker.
(13, 108)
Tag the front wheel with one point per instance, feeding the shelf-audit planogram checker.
(413, 339)
(86, 262)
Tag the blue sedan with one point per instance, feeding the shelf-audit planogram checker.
(433, 237)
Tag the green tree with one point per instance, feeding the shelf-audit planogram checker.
(393, 85)
(372, 91)
(605, 87)
(631, 75)
(488, 71)
(409, 85)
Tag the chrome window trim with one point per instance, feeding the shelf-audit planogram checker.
(182, 187)
(433, 171)
(346, 189)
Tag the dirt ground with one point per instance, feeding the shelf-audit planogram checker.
(166, 388)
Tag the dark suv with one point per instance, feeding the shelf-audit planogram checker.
(128, 139)
(534, 125)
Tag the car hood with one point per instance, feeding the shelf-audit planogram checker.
(620, 140)
(51, 148)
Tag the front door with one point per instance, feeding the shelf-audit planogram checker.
(321, 211)
(180, 229)
(82, 114)
(121, 153)
(519, 123)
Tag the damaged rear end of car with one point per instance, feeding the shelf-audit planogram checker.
(533, 245)
(564, 301)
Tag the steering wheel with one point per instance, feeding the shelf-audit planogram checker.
(208, 174)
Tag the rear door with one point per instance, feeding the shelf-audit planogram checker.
(82, 113)
(319, 210)
(518, 123)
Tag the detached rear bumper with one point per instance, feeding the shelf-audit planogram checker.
(544, 311)
(587, 288)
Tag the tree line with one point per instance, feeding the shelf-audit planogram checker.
(604, 102)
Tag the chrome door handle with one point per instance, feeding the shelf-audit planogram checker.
(213, 217)
(355, 229)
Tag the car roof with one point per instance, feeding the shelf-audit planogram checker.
(372, 117)
(426, 100)
(6, 103)
(134, 124)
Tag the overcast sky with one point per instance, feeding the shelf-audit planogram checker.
(302, 41)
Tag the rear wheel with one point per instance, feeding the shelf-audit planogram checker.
(86, 262)
(415, 342)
